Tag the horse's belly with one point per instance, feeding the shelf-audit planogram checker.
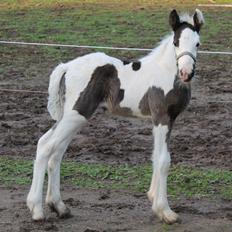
(130, 103)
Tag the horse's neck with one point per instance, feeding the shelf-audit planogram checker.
(164, 55)
(168, 57)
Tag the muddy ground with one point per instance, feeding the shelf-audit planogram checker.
(111, 211)
(201, 137)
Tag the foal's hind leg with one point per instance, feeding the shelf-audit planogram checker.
(53, 198)
(103, 84)
(34, 198)
(55, 141)
(63, 134)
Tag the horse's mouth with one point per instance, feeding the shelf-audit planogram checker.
(187, 80)
(186, 77)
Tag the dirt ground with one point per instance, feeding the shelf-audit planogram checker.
(201, 137)
(111, 211)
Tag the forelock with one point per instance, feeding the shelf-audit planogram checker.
(186, 18)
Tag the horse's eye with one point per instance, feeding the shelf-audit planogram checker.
(197, 45)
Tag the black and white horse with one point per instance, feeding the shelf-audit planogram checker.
(156, 86)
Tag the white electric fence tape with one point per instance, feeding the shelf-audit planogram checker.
(99, 47)
(92, 47)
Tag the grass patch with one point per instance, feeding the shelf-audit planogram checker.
(100, 24)
(183, 181)
(121, 4)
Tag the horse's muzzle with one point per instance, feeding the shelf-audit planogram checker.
(185, 76)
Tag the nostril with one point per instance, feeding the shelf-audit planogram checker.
(181, 72)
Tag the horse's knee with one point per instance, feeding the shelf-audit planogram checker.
(164, 163)
(53, 163)
(45, 146)
(44, 151)
(71, 123)
(44, 138)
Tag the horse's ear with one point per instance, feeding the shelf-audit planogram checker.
(198, 20)
(174, 19)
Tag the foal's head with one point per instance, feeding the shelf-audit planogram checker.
(186, 41)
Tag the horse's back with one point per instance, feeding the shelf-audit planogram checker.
(134, 79)
(83, 67)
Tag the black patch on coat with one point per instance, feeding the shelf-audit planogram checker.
(153, 103)
(61, 93)
(117, 109)
(144, 105)
(165, 109)
(120, 95)
(103, 85)
(125, 62)
(178, 98)
(136, 65)
(62, 89)
(123, 111)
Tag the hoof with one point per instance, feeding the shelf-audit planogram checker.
(38, 219)
(60, 209)
(37, 215)
(36, 211)
(166, 215)
(66, 214)
(170, 217)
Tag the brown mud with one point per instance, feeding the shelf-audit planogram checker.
(201, 135)
(112, 211)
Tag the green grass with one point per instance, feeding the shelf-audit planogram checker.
(104, 24)
(122, 3)
(183, 181)
(83, 26)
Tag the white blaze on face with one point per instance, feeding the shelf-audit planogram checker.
(188, 42)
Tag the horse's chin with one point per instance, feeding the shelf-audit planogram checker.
(186, 81)
(186, 78)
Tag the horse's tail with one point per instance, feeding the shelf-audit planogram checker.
(56, 91)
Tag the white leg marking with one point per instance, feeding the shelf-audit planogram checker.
(64, 133)
(54, 142)
(34, 198)
(158, 188)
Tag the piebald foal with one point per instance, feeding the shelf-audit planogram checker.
(157, 86)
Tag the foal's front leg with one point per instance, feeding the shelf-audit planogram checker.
(158, 189)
